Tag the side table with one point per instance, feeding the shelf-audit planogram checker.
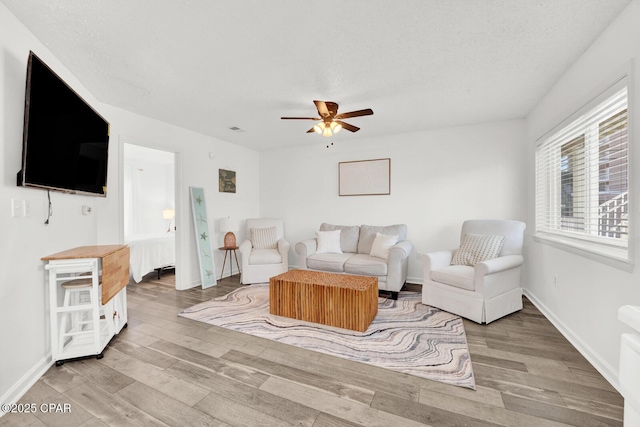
(227, 251)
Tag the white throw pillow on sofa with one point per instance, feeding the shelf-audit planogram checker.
(328, 242)
(382, 245)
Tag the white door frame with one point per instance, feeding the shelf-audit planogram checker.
(179, 205)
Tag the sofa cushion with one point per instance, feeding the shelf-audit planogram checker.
(382, 245)
(348, 236)
(368, 235)
(460, 276)
(328, 242)
(366, 265)
(328, 262)
(265, 256)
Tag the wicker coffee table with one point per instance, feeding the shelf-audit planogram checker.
(340, 300)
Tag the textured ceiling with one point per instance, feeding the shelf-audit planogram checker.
(419, 64)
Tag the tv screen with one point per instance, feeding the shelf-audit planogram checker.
(65, 141)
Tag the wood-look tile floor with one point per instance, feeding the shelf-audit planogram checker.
(167, 370)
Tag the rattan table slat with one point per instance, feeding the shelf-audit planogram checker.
(339, 300)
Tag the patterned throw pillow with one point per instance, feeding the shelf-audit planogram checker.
(264, 238)
(476, 248)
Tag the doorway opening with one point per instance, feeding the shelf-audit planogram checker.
(149, 209)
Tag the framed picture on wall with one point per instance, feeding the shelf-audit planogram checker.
(364, 177)
(227, 181)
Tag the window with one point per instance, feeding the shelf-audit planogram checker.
(582, 177)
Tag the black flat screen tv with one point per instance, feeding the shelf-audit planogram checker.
(65, 142)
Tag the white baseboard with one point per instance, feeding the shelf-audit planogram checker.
(415, 280)
(234, 271)
(27, 381)
(197, 283)
(605, 369)
(191, 285)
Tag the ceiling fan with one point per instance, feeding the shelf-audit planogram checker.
(331, 121)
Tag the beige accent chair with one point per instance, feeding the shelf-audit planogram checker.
(484, 292)
(259, 265)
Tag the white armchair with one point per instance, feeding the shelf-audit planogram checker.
(259, 265)
(484, 292)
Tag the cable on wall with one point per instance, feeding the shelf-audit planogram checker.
(50, 210)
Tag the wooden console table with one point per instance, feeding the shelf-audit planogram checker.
(106, 268)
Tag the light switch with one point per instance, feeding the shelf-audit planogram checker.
(16, 208)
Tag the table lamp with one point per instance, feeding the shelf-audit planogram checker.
(168, 214)
(229, 225)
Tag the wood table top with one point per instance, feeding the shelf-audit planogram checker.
(328, 279)
(98, 251)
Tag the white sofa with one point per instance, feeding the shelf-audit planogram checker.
(355, 243)
(486, 291)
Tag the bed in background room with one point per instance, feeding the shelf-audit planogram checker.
(151, 252)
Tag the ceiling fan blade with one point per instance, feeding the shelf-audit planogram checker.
(358, 113)
(322, 108)
(311, 130)
(347, 126)
(300, 118)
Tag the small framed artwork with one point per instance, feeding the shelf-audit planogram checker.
(364, 177)
(227, 181)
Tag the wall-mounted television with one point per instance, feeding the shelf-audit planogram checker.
(65, 141)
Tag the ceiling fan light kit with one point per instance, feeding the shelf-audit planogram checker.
(331, 121)
(327, 128)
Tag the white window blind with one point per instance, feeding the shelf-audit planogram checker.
(582, 174)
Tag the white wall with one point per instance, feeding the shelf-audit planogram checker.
(438, 179)
(198, 158)
(584, 305)
(23, 241)
(24, 324)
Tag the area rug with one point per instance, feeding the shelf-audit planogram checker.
(406, 335)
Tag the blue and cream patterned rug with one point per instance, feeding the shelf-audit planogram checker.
(406, 335)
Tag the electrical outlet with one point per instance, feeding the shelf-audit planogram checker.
(418, 256)
(26, 208)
